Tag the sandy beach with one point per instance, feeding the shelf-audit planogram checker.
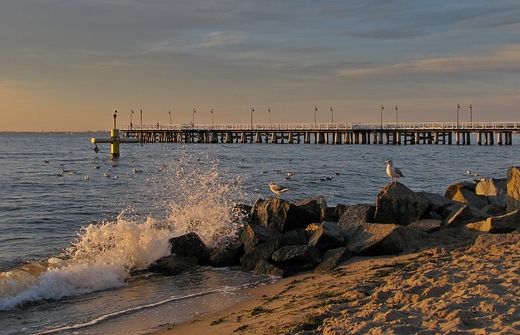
(462, 282)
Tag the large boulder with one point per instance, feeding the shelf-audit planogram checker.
(227, 253)
(253, 235)
(400, 205)
(332, 258)
(173, 265)
(316, 205)
(454, 188)
(295, 237)
(470, 198)
(190, 245)
(375, 239)
(498, 224)
(495, 190)
(357, 214)
(296, 255)
(327, 236)
(282, 215)
(261, 252)
(513, 188)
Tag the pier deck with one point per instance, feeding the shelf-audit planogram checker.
(487, 133)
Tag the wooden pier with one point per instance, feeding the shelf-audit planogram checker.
(486, 133)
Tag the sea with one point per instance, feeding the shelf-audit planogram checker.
(78, 228)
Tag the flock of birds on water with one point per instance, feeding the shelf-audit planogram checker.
(392, 171)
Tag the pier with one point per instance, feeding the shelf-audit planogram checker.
(485, 133)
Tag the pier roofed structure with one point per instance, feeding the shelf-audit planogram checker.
(485, 133)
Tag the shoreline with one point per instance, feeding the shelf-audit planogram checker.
(467, 286)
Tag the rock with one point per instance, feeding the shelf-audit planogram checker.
(296, 255)
(454, 188)
(375, 239)
(227, 253)
(470, 198)
(316, 205)
(173, 265)
(282, 215)
(513, 188)
(357, 214)
(400, 205)
(485, 242)
(427, 226)
(327, 236)
(439, 202)
(261, 252)
(295, 237)
(495, 190)
(266, 268)
(190, 245)
(339, 210)
(494, 210)
(498, 224)
(459, 215)
(253, 235)
(332, 258)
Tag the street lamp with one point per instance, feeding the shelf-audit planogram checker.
(170, 113)
(193, 118)
(252, 111)
(458, 107)
(332, 113)
(470, 113)
(396, 115)
(131, 113)
(315, 110)
(269, 111)
(382, 108)
(212, 118)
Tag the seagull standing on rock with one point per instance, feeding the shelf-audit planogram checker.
(277, 189)
(393, 172)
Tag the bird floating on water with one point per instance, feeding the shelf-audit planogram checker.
(277, 189)
(393, 172)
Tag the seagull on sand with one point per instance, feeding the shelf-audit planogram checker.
(277, 189)
(393, 172)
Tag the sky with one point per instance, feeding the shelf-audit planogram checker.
(66, 65)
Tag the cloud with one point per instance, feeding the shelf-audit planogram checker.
(506, 59)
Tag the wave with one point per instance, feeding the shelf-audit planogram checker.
(197, 199)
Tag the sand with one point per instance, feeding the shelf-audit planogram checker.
(462, 283)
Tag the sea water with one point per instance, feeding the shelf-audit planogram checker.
(78, 229)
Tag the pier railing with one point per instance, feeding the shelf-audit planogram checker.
(450, 126)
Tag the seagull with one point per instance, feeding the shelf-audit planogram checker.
(393, 172)
(277, 189)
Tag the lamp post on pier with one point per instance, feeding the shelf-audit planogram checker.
(212, 117)
(458, 107)
(193, 118)
(315, 110)
(131, 113)
(471, 113)
(396, 115)
(269, 111)
(252, 111)
(332, 113)
(170, 114)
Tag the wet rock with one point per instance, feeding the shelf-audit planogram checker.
(266, 268)
(295, 237)
(339, 210)
(400, 205)
(296, 255)
(253, 235)
(261, 252)
(190, 245)
(227, 253)
(173, 265)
